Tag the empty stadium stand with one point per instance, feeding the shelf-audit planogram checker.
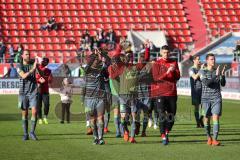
(221, 15)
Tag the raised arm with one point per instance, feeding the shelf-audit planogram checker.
(193, 75)
(24, 75)
(208, 81)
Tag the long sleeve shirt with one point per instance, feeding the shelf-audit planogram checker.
(164, 84)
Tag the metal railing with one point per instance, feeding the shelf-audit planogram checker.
(155, 55)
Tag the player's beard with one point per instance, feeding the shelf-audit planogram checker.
(26, 61)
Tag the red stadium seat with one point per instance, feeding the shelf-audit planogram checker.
(66, 54)
(49, 54)
(58, 60)
(171, 33)
(182, 46)
(40, 47)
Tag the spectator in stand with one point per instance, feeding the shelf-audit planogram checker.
(111, 39)
(85, 34)
(80, 55)
(125, 44)
(51, 25)
(111, 36)
(20, 48)
(2, 51)
(144, 50)
(12, 53)
(234, 67)
(81, 45)
(100, 34)
(141, 48)
(152, 47)
(19, 53)
(237, 51)
(66, 71)
(12, 72)
(95, 43)
(86, 42)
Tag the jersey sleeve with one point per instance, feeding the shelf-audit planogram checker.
(191, 72)
(19, 69)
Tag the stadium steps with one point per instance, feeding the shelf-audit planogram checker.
(196, 22)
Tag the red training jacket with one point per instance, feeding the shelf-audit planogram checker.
(164, 84)
(44, 88)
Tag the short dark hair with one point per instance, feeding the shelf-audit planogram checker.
(45, 59)
(194, 57)
(209, 55)
(165, 47)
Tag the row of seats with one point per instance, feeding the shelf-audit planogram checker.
(219, 1)
(22, 33)
(120, 27)
(60, 34)
(122, 18)
(85, 6)
(214, 25)
(93, 19)
(49, 46)
(14, 33)
(222, 19)
(220, 31)
(221, 5)
(55, 54)
(97, 13)
(225, 12)
(92, 1)
(60, 41)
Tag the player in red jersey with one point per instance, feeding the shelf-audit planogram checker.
(44, 77)
(165, 73)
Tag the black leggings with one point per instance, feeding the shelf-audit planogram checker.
(152, 107)
(167, 107)
(65, 108)
(45, 99)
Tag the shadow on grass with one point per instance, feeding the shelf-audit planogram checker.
(189, 141)
(10, 117)
(194, 134)
(61, 138)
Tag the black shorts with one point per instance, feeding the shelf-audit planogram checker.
(196, 96)
(167, 104)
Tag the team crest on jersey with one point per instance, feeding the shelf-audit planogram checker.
(131, 75)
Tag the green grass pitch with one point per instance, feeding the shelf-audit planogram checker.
(68, 141)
